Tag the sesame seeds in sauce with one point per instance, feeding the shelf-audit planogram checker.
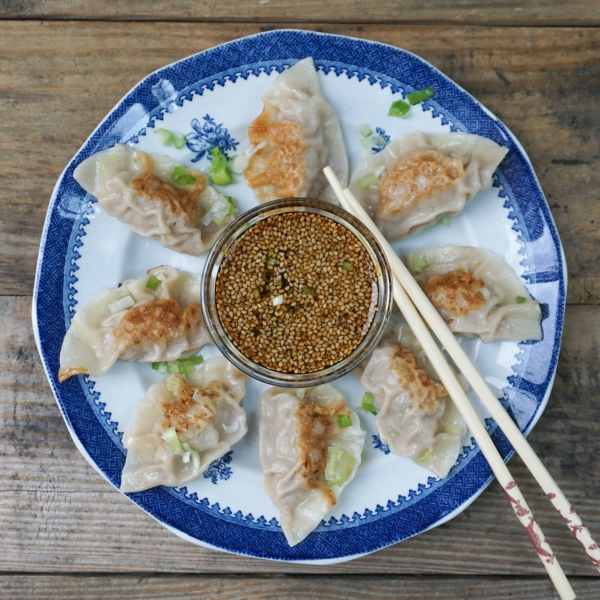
(297, 292)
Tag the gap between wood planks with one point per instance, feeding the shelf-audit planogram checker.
(468, 12)
(236, 587)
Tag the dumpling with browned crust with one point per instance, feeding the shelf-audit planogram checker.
(416, 418)
(294, 138)
(151, 319)
(477, 293)
(183, 424)
(310, 448)
(419, 178)
(157, 197)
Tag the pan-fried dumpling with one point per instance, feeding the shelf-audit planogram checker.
(477, 293)
(294, 138)
(157, 197)
(182, 425)
(310, 448)
(152, 319)
(419, 178)
(416, 418)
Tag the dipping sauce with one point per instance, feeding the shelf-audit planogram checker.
(296, 292)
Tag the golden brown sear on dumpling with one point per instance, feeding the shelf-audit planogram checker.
(457, 292)
(422, 389)
(315, 422)
(160, 320)
(280, 162)
(415, 177)
(179, 200)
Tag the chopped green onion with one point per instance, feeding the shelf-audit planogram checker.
(113, 158)
(368, 403)
(379, 140)
(165, 137)
(186, 447)
(121, 304)
(520, 300)
(421, 95)
(185, 457)
(300, 393)
(348, 266)
(399, 109)
(172, 442)
(181, 365)
(186, 367)
(180, 177)
(426, 456)
(365, 130)
(367, 180)
(196, 460)
(221, 175)
(152, 283)
(308, 290)
(173, 366)
(179, 142)
(453, 430)
(367, 143)
(446, 220)
(417, 263)
(220, 171)
(241, 163)
(232, 206)
(172, 383)
(270, 262)
(339, 466)
(344, 421)
(256, 293)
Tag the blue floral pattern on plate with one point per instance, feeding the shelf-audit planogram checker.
(149, 102)
(218, 469)
(379, 445)
(209, 135)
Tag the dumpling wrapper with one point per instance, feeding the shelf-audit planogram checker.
(416, 418)
(299, 134)
(138, 189)
(477, 293)
(294, 460)
(161, 325)
(211, 422)
(423, 177)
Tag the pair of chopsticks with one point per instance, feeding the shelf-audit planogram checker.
(405, 286)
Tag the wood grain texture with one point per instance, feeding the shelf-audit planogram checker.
(509, 12)
(135, 587)
(58, 515)
(59, 79)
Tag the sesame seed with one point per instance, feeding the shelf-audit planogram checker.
(327, 309)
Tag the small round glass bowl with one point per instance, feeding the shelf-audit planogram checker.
(228, 238)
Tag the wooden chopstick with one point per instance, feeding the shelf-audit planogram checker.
(492, 404)
(456, 392)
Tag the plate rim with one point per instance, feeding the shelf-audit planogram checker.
(544, 205)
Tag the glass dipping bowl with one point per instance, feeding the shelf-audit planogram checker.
(228, 238)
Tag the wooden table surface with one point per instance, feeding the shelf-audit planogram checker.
(64, 531)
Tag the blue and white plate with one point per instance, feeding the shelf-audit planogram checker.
(214, 95)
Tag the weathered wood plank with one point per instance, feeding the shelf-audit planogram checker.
(59, 79)
(233, 587)
(57, 514)
(510, 12)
